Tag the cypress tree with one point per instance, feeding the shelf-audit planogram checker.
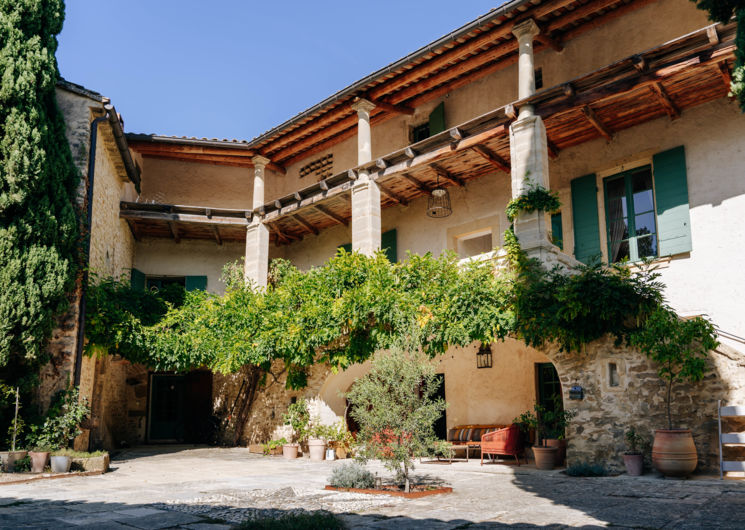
(38, 218)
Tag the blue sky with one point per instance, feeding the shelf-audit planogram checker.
(233, 69)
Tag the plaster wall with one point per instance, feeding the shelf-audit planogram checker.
(164, 257)
(194, 184)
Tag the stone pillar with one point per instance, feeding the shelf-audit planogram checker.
(528, 147)
(256, 266)
(365, 192)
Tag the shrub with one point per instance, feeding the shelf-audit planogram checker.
(396, 408)
(62, 423)
(586, 469)
(351, 475)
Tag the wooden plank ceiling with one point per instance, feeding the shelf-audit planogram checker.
(456, 62)
(665, 81)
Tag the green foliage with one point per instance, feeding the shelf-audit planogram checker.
(298, 417)
(396, 408)
(586, 469)
(268, 447)
(678, 347)
(38, 180)
(722, 11)
(536, 199)
(351, 475)
(12, 397)
(635, 442)
(78, 454)
(547, 422)
(62, 423)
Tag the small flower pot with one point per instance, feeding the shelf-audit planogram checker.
(545, 457)
(634, 463)
(9, 459)
(39, 460)
(317, 448)
(61, 464)
(290, 450)
(330, 454)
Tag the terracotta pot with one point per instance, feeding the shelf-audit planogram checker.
(317, 448)
(561, 450)
(634, 463)
(39, 460)
(544, 457)
(674, 453)
(9, 459)
(61, 464)
(290, 450)
(341, 453)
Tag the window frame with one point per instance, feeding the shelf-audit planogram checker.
(627, 176)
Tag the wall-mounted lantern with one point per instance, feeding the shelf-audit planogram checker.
(483, 356)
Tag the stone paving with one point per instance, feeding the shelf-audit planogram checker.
(211, 488)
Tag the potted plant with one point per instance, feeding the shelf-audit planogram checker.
(317, 434)
(544, 421)
(558, 420)
(61, 426)
(273, 447)
(297, 417)
(340, 439)
(9, 458)
(679, 347)
(633, 459)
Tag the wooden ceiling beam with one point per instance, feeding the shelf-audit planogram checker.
(307, 224)
(553, 150)
(418, 184)
(597, 123)
(328, 213)
(133, 228)
(726, 75)
(389, 107)
(142, 215)
(664, 99)
(174, 231)
(493, 158)
(549, 41)
(216, 232)
(393, 195)
(712, 35)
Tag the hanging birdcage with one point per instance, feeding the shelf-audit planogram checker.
(438, 204)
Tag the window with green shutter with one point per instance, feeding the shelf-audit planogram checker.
(195, 283)
(388, 242)
(585, 219)
(671, 194)
(630, 215)
(137, 280)
(557, 230)
(437, 119)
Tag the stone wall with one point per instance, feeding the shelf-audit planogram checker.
(596, 434)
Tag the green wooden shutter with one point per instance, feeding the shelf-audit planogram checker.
(437, 119)
(194, 283)
(585, 219)
(671, 197)
(557, 230)
(388, 243)
(137, 280)
(345, 246)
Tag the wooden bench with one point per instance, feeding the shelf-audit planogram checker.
(468, 437)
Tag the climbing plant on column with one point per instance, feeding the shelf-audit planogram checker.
(38, 221)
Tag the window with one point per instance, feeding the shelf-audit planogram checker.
(434, 125)
(613, 377)
(474, 243)
(156, 283)
(557, 230)
(419, 132)
(630, 215)
(538, 76)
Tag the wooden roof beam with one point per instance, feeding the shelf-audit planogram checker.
(303, 221)
(726, 76)
(331, 215)
(174, 231)
(713, 35)
(548, 40)
(133, 228)
(393, 195)
(553, 150)
(445, 174)
(216, 232)
(418, 184)
(664, 98)
(389, 107)
(493, 158)
(595, 122)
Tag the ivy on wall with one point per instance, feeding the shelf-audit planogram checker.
(38, 221)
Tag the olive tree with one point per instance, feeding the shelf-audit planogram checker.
(396, 407)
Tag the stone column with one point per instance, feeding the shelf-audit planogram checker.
(528, 146)
(256, 267)
(365, 192)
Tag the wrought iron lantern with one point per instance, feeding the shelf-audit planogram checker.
(438, 204)
(483, 357)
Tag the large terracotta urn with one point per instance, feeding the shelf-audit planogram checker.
(545, 457)
(674, 453)
(561, 449)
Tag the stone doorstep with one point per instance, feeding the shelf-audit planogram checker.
(32, 477)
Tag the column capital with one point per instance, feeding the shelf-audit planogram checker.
(362, 105)
(527, 29)
(259, 160)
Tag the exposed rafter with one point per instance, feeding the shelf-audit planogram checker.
(304, 222)
(595, 121)
(393, 195)
(331, 215)
(662, 96)
(493, 158)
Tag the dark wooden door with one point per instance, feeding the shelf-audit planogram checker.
(166, 418)
(441, 425)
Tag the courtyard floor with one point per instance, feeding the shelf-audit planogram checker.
(212, 488)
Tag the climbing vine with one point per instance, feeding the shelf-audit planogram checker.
(723, 11)
(38, 222)
(536, 199)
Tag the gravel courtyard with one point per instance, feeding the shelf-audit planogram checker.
(211, 488)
